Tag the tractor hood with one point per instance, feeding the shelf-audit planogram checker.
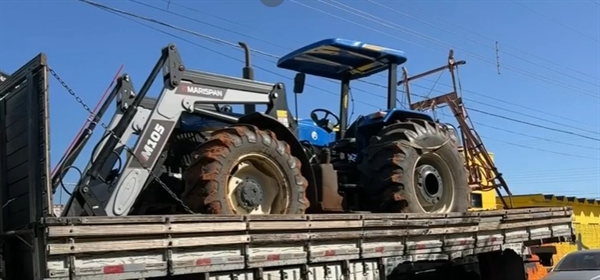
(307, 129)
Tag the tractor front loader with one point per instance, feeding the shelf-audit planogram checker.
(250, 163)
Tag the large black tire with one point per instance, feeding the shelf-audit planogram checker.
(393, 161)
(207, 178)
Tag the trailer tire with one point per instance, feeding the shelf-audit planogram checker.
(213, 184)
(414, 167)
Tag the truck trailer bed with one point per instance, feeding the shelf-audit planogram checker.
(242, 246)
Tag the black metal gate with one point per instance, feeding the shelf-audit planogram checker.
(24, 169)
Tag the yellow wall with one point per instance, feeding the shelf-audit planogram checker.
(586, 220)
(586, 211)
(488, 199)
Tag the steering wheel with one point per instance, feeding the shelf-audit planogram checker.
(324, 122)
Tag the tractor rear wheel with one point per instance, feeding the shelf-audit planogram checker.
(414, 167)
(244, 170)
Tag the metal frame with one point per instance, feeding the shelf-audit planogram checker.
(183, 91)
(472, 145)
(122, 90)
(345, 95)
(124, 93)
(31, 82)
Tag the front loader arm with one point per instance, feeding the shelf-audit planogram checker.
(184, 91)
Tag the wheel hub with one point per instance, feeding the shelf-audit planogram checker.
(249, 194)
(430, 183)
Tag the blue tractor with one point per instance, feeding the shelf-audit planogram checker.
(387, 161)
(193, 148)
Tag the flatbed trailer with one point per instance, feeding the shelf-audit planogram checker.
(353, 246)
(487, 245)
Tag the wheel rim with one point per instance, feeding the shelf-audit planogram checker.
(434, 185)
(256, 185)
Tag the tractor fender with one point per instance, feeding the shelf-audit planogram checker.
(402, 115)
(267, 122)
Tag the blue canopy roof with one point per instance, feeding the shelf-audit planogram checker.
(337, 58)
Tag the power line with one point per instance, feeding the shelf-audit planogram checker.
(520, 145)
(541, 150)
(519, 121)
(470, 30)
(557, 171)
(535, 125)
(578, 121)
(546, 182)
(536, 137)
(516, 120)
(169, 2)
(520, 113)
(289, 38)
(201, 35)
(532, 142)
(588, 176)
(403, 29)
(480, 43)
(555, 21)
(208, 24)
(395, 26)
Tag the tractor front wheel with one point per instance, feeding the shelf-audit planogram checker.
(414, 167)
(245, 170)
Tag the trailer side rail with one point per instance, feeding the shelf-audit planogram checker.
(152, 246)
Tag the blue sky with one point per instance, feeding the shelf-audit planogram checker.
(548, 58)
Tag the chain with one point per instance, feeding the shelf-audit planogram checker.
(87, 108)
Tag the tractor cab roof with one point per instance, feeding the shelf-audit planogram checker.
(341, 58)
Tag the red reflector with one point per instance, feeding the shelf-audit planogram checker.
(203, 262)
(420, 246)
(463, 242)
(493, 239)
(330, 253)
(273, 257)
(113, 269)
(379, 249)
